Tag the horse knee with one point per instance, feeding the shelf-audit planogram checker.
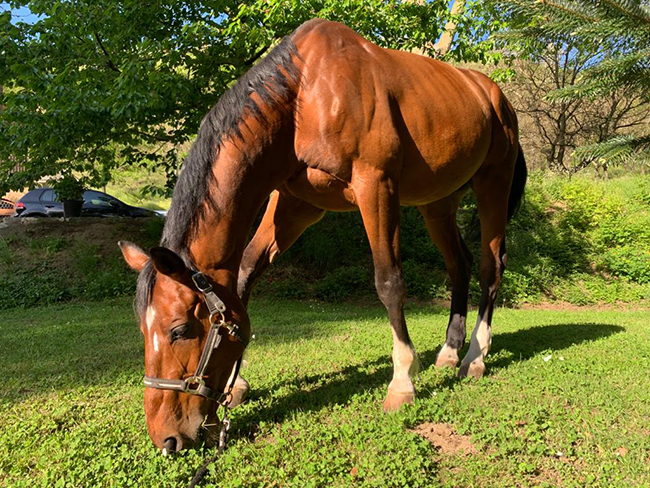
(243, 281)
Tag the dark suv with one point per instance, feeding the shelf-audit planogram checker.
(42, 202)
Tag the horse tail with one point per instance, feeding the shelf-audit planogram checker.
(518, 184)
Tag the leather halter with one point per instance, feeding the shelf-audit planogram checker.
(195, 384)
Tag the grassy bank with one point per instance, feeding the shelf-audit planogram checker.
(580, 241)
(565, 402)
(45, 261)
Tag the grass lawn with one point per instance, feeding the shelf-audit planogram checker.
(566, 402)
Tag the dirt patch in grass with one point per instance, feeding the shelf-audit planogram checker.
(445, 439)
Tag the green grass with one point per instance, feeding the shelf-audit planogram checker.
(71, 402)
(127, 184)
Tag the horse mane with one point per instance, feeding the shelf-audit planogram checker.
(272, 79)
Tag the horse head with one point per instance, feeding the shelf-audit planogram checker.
(192, 351)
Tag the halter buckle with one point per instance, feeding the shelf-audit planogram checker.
(197, 381)
(231, 328)
(214, 303)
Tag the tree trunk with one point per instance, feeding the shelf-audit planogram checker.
(444, 43)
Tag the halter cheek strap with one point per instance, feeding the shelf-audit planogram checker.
(195, 384)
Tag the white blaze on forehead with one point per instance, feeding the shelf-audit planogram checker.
(150, 316)
(155, 341)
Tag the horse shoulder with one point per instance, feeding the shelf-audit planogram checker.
(342, 104)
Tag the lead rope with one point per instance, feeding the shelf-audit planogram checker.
(223, 433)
(223, 438)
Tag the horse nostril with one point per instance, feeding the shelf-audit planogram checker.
(169, 446)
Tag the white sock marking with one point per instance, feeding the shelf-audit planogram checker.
(481, 341)
(403, 359)
(448, 352)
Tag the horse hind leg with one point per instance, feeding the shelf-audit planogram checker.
(379, 204)
(285, 219)
(491, 185)
(440, 219)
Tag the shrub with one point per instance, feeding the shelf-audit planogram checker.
(49, 269)
(344, 283)
(628, 261)
(423, 282)
(32, 287)
(574, 240)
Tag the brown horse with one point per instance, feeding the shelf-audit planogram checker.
(326, 121)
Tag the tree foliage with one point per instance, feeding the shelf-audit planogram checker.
(95, 84)
(555, 127)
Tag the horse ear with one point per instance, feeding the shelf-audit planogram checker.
(135, 257)
(168, 263)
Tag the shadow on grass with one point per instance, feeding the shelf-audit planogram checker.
(340, 386)
(526, 343)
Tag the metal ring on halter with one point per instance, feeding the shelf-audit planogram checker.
(215, 314)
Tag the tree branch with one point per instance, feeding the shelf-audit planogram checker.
(109, 62)
(256, 56)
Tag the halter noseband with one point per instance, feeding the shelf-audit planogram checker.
(195, 384)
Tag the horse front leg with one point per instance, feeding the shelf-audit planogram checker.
(379, 205)
(285, 219)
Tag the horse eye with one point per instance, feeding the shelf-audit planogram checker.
(178, 332)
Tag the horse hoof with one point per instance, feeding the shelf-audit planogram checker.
(447, 357)
(239, 392)
(394, 401)
(446, 362)
(474, 370)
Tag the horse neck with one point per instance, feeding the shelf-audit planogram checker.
(245, 173)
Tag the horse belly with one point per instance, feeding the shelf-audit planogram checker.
(437, 164)
(321, 189)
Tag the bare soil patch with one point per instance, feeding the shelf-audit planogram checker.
(444, 438)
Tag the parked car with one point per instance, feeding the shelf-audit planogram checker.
(43, 202)
(6, 207)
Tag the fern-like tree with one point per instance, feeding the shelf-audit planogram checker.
(618, 32)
